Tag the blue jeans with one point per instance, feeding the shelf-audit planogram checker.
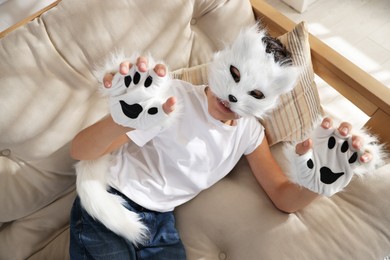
(90, 239)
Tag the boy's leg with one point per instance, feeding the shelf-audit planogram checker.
(89, 239)
(165, 242)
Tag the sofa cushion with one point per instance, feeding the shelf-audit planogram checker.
(30, 234)
(235, 219)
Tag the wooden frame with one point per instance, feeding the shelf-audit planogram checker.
(367, 93)
(29, 18)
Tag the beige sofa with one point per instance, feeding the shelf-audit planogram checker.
(48, 93)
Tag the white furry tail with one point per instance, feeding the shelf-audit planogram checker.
(106, 207)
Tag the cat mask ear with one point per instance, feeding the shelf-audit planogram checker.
(286, 76)
(262, 72)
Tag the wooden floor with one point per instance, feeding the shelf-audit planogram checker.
(357, 29)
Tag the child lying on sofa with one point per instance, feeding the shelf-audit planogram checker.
(166, 140)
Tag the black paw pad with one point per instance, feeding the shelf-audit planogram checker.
(310, 164)
(328, 176)
(344, 147)
(131, 111)
(127, 81)
(353, 158)
(148, 81)
(331, 142)
(137, 78)
(152, 110)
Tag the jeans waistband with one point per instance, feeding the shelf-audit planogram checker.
(129, 201)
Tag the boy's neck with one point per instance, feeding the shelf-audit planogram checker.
(230, 122)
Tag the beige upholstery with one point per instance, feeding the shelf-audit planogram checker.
(235, 220)
(48, 94)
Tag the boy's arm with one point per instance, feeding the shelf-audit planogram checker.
(285, 195)
(98, 139)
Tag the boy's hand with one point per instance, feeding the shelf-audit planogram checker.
(327, 162)
(139, 96)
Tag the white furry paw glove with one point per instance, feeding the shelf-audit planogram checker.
(136, 99)
(331, 163)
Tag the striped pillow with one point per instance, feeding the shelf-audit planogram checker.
(298, 110)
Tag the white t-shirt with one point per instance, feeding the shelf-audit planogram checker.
(165, 168)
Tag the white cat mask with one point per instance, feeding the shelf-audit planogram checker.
(249, 75)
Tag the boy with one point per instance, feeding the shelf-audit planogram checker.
(155, 169)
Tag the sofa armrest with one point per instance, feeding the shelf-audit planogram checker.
(367, 93)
